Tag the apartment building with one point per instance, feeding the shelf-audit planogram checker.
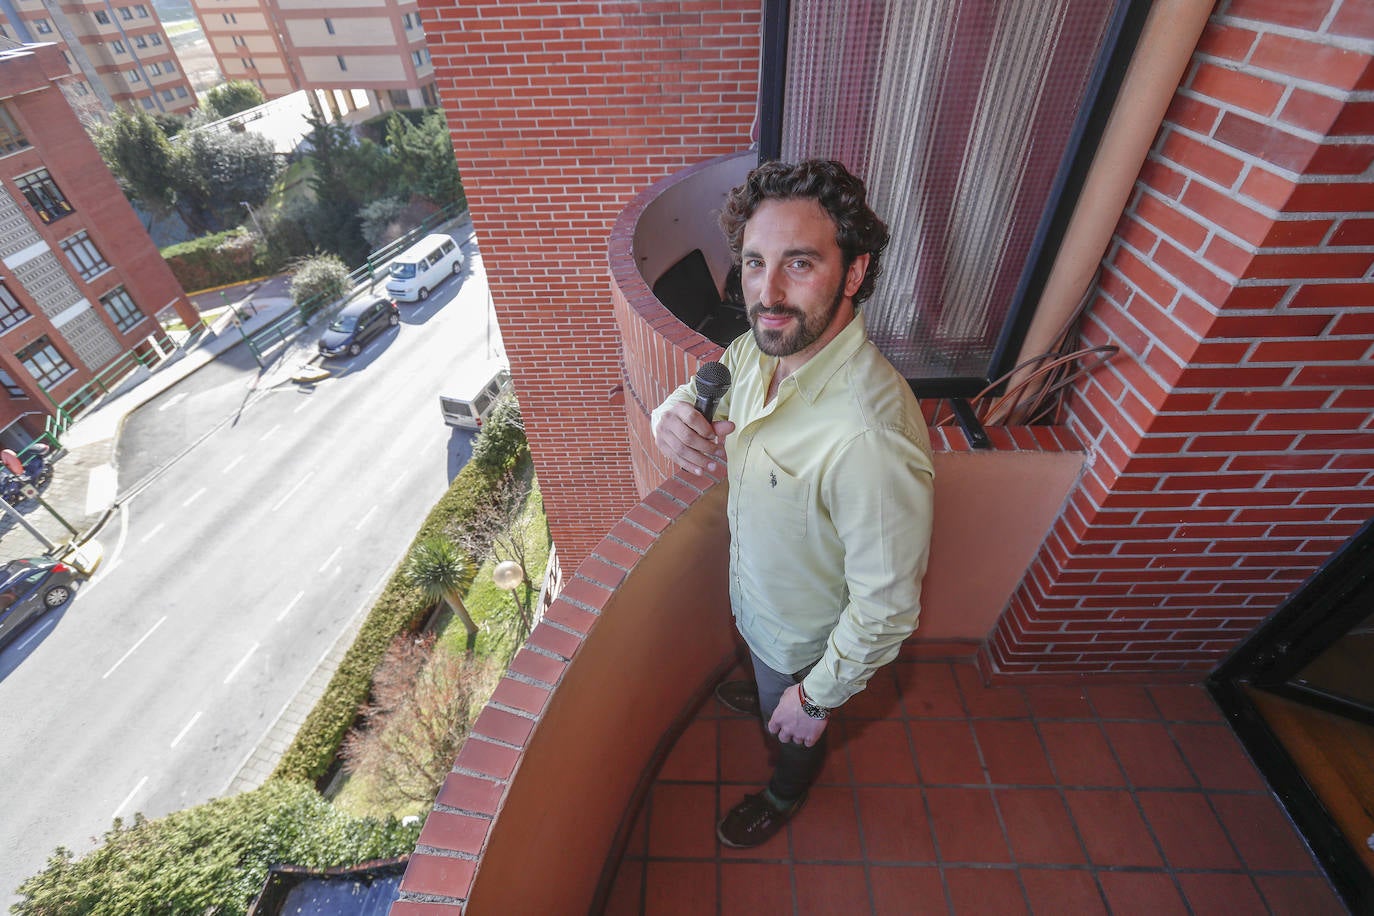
(115, 53)
(81, 283)
(331, 49)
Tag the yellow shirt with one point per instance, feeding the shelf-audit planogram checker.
(829, 509)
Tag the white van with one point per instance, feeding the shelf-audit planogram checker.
(470, 397)
(423, 266)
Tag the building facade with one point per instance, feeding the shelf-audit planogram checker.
(81, 282)
(116, 54)
(331, 48)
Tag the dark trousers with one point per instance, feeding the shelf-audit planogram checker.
(798, 765)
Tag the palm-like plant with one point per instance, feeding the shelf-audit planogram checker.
(437, 569)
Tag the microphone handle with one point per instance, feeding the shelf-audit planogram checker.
(706, 406)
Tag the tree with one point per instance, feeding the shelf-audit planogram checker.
(423, 155)
(230, 98)
(224, 170)
(420, 714)
(501, 441)
(142, 158)
(212, 858)
(437, 569)
(318, 280)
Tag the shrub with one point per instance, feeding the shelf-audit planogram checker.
(501, 441)
(211, 859)
(317, 281)
(213, 260)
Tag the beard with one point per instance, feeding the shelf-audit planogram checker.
(801, 335)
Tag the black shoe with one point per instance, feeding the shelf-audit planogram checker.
(739, 696)
(755, 821)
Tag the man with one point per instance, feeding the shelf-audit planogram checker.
(828, 463)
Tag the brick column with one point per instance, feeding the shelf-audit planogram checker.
(1232, 442)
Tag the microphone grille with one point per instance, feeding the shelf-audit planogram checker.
(713, 380)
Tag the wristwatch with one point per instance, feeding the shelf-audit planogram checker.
(811, 709)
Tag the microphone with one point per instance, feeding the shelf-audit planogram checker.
(712, 381)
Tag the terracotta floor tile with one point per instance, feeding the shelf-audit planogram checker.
(1220, 894)
(680, 888)
(1217, 758)
(1188, 830)
(946, 753)
(1141, 894)
(1058, 702)
(827, 827)
(909, 891)
(982, 701)
(824, 890)
(929, 689)
(682, 821)
(1185, 703)
(966, 826)
(1148, 755)
(749, 888)
(1262, 832)
(880, 752)
(835, 770)
(627, 891)
(1119, 701)
(1039, 827)
(895, 824)
(878, 700)
(693, 756)
(1062, 891)
(1296, 895)
(979, 891)
(1112, 829)
(1080, 754)
(1013, 754)
(743, 754)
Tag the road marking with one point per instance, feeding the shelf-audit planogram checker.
(177, 739)
(363, 521)
(47, 624)
(233, 464)
(130, 797)
(286, 610)
(395, 482)
(173, 400)
(304, 404)
(243, 661)
(332, 557)
(267, 435)
(194, 496)
(151, 534)
(291, 492)
(133, 649)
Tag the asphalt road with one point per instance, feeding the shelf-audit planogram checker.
(254, 526)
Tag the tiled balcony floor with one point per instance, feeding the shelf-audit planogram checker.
(941, 795)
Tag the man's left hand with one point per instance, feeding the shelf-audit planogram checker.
(791, 724)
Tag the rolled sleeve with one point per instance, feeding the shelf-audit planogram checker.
(880, 499)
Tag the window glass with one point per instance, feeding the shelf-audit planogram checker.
(42, 27)
(102, 17)
(118, 46)
(12, 137)
(44, 362)
(121, 309)
(11, 312)
(11, 386)
(83, 254)
(43, 195)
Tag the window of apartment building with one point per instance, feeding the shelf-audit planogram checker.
(142, 11)
(140, 41)
(967, 129)
(11, 386)
(121, 309)
(155, 68)
(155, 38)
(169, 67)
(11, 312)
(118, 46)
(43, 195)
(148, 102)
(85, 257)
(12, 137)
(329, 25)
(134, 76)
(420, 57)
(181, 92)
(42, 27)
(406, 21)
(44, 362)
(231, 18)
(80, 88)
(343, 64)
(240, 41)
(126, 14)
(167, 95)
(102, 17)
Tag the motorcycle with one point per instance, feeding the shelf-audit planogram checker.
(37, 472)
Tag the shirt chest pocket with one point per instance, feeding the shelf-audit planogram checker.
(783, 501)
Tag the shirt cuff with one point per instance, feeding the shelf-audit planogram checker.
(824, 690)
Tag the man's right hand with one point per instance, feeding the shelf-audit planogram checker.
(684, 436)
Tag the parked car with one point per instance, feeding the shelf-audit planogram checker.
(423, 266)
(358, 323)
(28, 589)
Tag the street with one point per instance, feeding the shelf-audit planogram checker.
(255, 525)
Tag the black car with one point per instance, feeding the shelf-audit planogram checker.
(358, 323)
(29, 588)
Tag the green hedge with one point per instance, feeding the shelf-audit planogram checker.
(214, 260)
(400, 607)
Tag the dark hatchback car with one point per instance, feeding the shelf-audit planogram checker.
(358, 323)
(28, 589)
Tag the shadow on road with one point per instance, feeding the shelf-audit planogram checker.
(33, 636)
(459, 450)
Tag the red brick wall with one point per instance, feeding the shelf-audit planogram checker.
(1232, 437)
(560, 113)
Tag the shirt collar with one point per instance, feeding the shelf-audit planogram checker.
(817, 371)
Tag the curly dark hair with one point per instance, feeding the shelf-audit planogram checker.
(858, 230)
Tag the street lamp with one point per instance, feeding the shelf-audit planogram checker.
(254, 217)
(510, 576)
